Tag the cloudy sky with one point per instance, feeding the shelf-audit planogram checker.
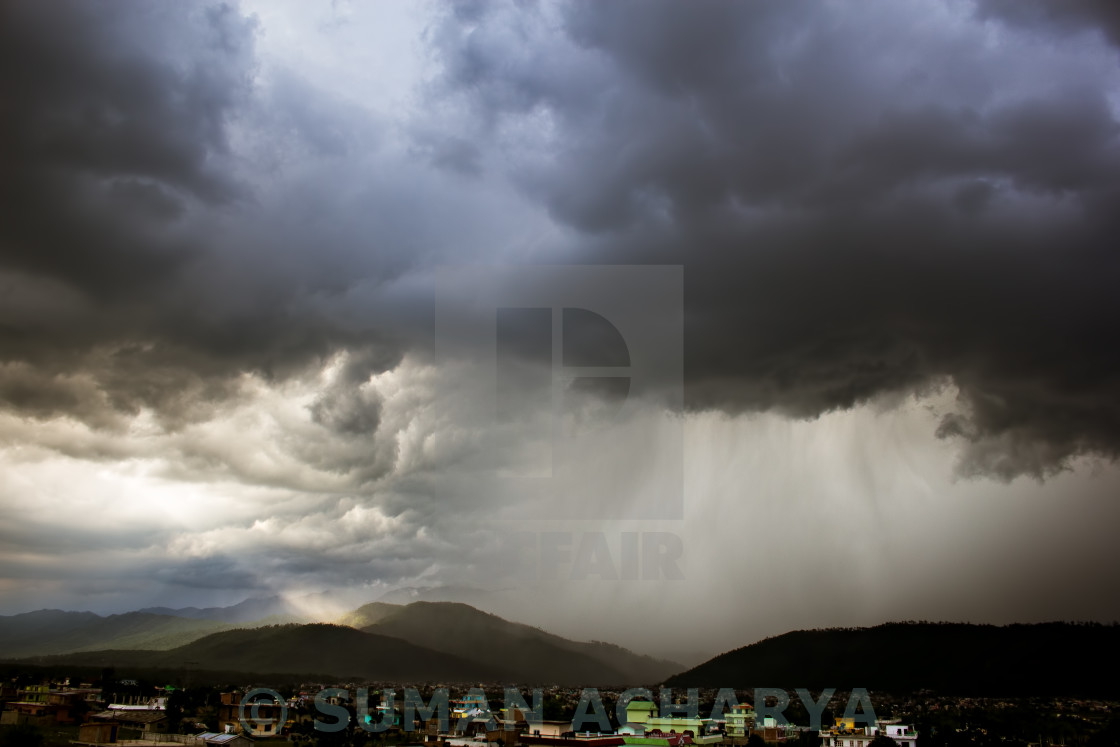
(249, 252)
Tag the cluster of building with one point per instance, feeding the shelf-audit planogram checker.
(99, 721)
(470, 718)
(43, 705)
(645, 725)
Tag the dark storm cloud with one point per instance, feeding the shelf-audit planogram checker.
(105, 132)
(120, 185)
(214, 572)
(218, 242)
(109, 137)
(1047, 18)
(866, 199)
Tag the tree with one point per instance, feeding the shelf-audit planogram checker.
(556, 709)
(808, 739)
(21, 735)
(175, 702)
(1109, 735)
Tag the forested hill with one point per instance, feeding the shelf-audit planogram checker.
(1038, 659)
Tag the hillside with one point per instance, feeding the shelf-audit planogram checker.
(56, 632)
(332, 649)
(318, 649)
(418, 641)
(368, 614)
(538, 656)
(1041, 659)
(276, 608)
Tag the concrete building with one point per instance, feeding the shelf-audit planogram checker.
(677, 725)
(27, 712)
(267, 721)
(147, 720)
(98, 732)
(35, 693)
(738, 721)
(846, 734)
(638, 714)
(214, 739)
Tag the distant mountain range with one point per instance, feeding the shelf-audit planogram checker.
(454, 642)
(465, 595)
(957, 658)
(462, 630)
(52, 631)
(422, 641)
(57, 632)
(368, 614)
(317, 649)
(251, 610)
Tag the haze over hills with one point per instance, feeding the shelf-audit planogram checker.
(449, 641)
(316, 649)
(52, 631)
(461, 629)
(56, 632)
(419, 641)
(368, 614)
(242, 612)
(1038, 659)
(45, 632)
(319, 606)
(305, 608)
(466, 595)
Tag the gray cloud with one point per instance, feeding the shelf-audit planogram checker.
(115, 118)
(1047, 18)
(850, 223)
(122, 179)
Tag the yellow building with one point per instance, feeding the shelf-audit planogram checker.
(739, 721)
(35, 694)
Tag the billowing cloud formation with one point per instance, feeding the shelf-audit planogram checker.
(851, 223)
(866, 199)
(220, 226)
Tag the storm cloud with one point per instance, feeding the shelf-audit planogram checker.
(865, 199)
(221, 226)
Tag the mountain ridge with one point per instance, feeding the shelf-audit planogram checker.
(419, 641)
(48, 631)
(454, 627)
(1021, 658)
(312, 649)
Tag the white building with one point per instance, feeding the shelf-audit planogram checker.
(846, 734)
